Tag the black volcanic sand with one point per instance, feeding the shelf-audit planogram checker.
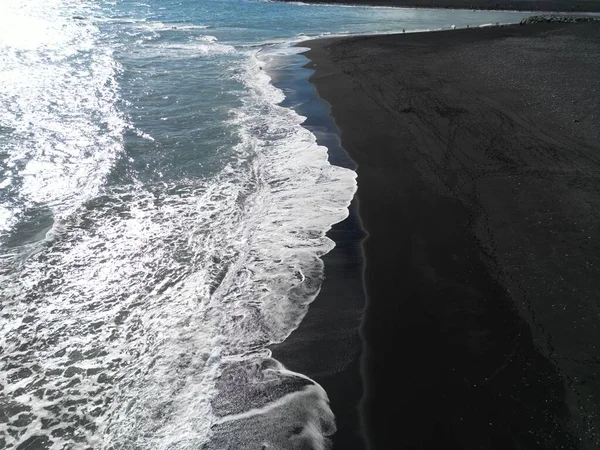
(327, 346)
(478, 157)
(520, 5)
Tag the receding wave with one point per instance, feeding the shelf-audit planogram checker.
(143, 321)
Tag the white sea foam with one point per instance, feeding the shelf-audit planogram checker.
(161, 26)
(143, 319)
(120, 321)
(143, 322)
(58, 104)
(299, 195)
(122, 20)
(200, 46)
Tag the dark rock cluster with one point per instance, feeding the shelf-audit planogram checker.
(557, 19)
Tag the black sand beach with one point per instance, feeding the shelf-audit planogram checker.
(327, 346)
(478, 159)
(519, 5)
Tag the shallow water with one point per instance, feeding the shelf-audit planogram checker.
(162, 218)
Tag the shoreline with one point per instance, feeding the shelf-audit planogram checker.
(328, 351)
(474, 284)
(543, 6)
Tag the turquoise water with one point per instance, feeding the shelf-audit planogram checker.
(162, 219)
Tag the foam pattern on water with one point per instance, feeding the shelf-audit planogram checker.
(60, 132)
(195, 45)
(142, 320)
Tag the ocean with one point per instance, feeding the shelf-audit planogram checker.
(163, 214)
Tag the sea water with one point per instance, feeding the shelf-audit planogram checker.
(162, 219)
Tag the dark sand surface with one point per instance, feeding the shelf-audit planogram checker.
(520, 5)
(327, 346)
(478, 157)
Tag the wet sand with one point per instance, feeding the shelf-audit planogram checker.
(327, 346)
(478, 156)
